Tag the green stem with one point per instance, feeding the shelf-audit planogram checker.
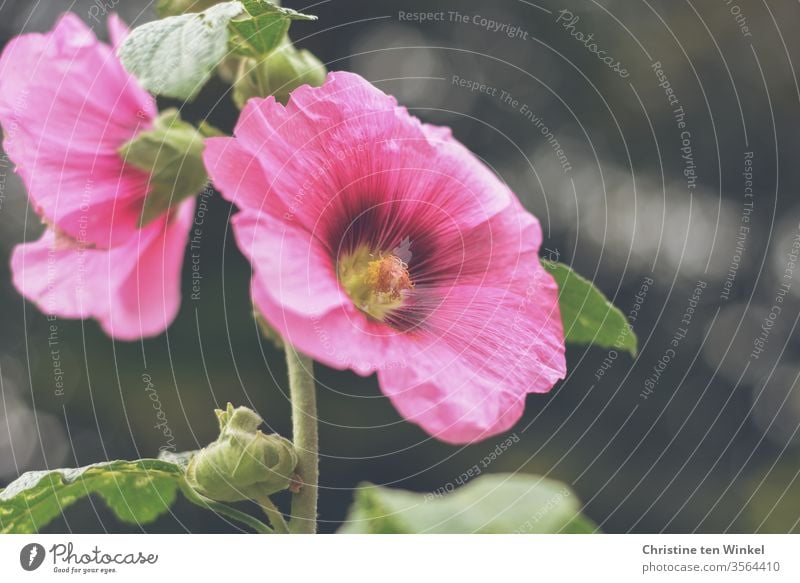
(273, 514)
(306, 441)
(262, 78)
(225, 510)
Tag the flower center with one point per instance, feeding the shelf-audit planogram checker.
(376, 282)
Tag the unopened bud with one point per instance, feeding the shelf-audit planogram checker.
(283, 71)
(243, 463)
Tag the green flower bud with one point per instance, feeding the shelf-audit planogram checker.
(171, 152)
(280, 73)
(243, 463)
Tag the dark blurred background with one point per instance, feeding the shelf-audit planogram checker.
(706, 442)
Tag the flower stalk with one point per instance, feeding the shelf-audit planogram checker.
(306, 441)
(273, 514)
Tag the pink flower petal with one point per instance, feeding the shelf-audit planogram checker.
(117, 30)
(239, 175)
(450, 401)
(298, 268)
(347, 136)
(467, 379)
(67, 106)
(343, 338)
(133, 290)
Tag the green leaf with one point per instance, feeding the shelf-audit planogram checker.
(493, 503)
(171, 152)
(588, 317)
(262, 27)
(179, 458)
(175, 56)
(137, 492)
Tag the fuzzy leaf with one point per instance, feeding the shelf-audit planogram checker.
(179, 458)
(175, 56)
(136, 491)
(493, 503)
(588, 317)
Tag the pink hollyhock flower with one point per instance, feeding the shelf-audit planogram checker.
(66, 106)
(381, 244)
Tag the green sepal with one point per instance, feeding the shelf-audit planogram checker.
(171, 152)
(268, 332)
(209, 131)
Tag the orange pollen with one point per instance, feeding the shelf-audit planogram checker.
(388, 275)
